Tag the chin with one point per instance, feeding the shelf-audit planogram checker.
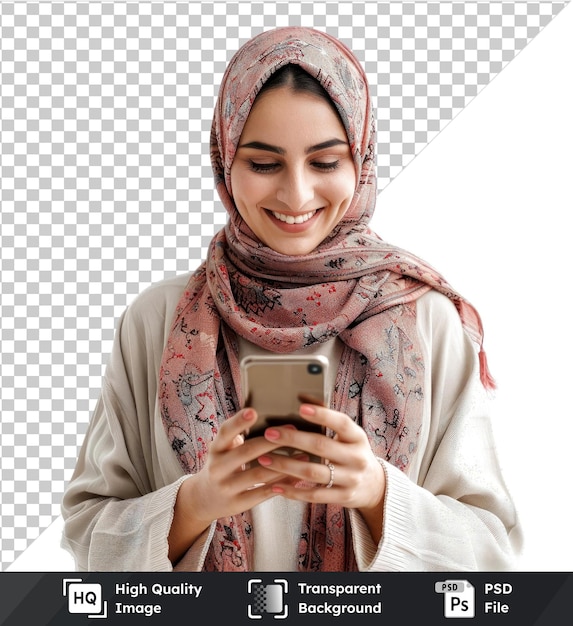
(293, 249)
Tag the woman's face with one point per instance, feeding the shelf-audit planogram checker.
(293, 176)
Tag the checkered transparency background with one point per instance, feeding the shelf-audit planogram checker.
(106, 183)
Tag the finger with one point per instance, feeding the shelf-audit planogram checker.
(232, 429)
(300, 469)
(239, 458)
(307, 492)
(243, 490)
(244, 498)
(345, 428)
(253, 477)
(314, 444)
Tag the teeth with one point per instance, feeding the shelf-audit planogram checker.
(291, 219)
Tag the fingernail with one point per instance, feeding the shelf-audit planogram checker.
(265, 460)
(277, 489)
(272, 434)
(249, 414)
(307, 409)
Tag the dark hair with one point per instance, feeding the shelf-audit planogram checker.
(299, 81)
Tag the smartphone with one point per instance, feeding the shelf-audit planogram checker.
(276, 385)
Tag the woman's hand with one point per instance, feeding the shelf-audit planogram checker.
(226, 485)
(359, 481)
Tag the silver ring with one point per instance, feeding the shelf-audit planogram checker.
(331, 481)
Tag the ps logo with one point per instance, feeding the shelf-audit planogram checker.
(459, 598)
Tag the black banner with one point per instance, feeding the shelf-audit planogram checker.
(526, 599)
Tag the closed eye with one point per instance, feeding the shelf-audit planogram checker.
(263, 168)
(268, 168)
(326, 167)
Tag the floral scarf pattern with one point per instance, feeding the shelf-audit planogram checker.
(354, 286)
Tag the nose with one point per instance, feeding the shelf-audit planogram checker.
(296, 190)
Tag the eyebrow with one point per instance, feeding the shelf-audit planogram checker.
(260, 145)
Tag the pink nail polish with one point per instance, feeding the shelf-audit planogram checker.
(265, 460)
(307, 409)
(272, 434)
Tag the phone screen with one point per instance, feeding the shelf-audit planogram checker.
(276, 385)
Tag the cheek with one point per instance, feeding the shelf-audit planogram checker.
(247, 192)
(341, 190)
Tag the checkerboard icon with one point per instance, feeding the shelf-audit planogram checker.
(267, 598)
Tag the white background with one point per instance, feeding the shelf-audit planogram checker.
(488, 203)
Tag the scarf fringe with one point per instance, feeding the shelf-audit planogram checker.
(486, 378)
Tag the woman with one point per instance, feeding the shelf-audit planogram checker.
(165, 479)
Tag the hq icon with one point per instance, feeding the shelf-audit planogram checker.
(85, 598)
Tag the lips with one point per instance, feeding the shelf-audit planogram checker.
(293, 219)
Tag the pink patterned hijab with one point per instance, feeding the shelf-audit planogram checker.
(354, 286)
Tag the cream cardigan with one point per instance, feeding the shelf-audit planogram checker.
(452, 512)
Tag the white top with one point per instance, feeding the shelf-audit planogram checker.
(452, 512)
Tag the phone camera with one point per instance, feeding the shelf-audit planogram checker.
(314, 368)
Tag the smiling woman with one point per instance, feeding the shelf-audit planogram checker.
(294, 187)
(166, 479)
